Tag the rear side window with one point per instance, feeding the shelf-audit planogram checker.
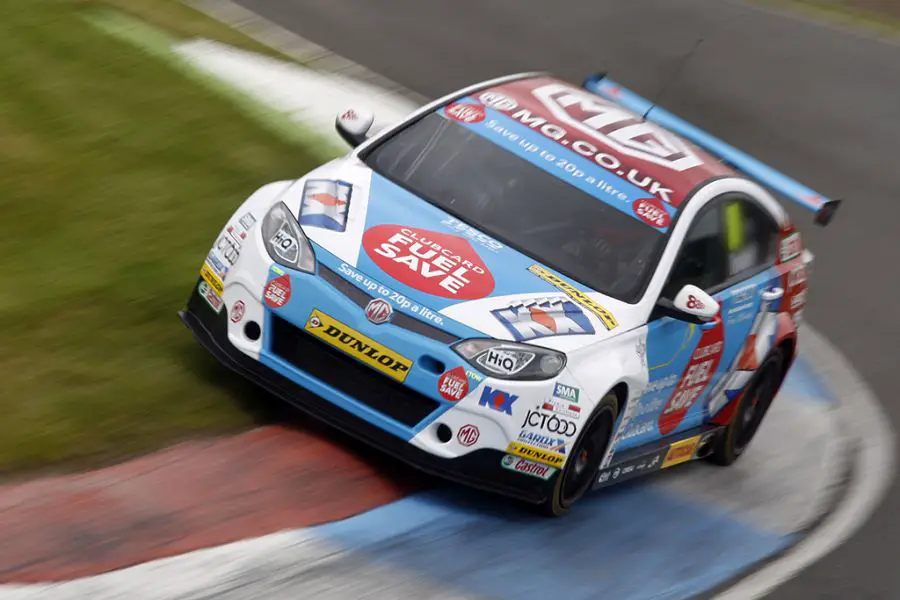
(750, 236)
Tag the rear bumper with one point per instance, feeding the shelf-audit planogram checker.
(479, 469)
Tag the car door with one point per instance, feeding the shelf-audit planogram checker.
(678, 351)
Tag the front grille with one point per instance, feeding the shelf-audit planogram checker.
(361, 298)
(348, 375)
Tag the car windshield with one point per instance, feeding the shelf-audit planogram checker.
(520, 205)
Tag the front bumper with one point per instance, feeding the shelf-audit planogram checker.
(479, 469)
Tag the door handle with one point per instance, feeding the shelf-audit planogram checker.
(772, 294)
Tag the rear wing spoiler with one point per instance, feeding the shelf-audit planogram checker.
(823, 208)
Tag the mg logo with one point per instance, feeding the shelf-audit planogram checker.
(617, 128)
(379, 311)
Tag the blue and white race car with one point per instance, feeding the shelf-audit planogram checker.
(526, 286)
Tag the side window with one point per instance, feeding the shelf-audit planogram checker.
(750, 236)
(703, 260)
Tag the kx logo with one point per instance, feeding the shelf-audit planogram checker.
(497, 400)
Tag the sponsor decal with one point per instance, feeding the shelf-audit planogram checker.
(606, 317)
(536, 454)
(472, 234)
(566, 409)
(238, 235)
(429, 261)
(661, 384)
(212, 298)
(228, 248)
(504, 361)
(791, 247)
(285, 244)
(616, 127)
(640, 348)
(545, 442)
(497, 399)
(366, 350)
(453, 385)
(695, 379)
(566, 392)
(210, 277)
(681, 452)
(247, 220)
(220, 268)
(694, 303)
(631, 468)
(349, 115)
(465, 113)
(325, 204)
(634, 429)
(741, 303)
(277, 292)
(476, 377)
(645, 406)
(566, 169)
(378, 311)
(377, 289)
(652, 212)
(237, 311)
(531, 319)
(798, 301)
(797, 276)
(498, 101)
(550, 422)
(467, 435)
(526, 467)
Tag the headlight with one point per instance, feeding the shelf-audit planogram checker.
(285, 241)
(509, 360)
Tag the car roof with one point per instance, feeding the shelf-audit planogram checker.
(615, 143)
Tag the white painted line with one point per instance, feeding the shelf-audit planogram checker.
(287, 565)
(300, 49)
(306, 96)
(863, 420)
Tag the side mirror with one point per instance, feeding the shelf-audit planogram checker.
(691, 304)
(353, 125)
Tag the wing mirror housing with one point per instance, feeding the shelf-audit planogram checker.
(354, 124)
(691, 304)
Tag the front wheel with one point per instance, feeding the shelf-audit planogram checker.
(754, 405)
(584, 459)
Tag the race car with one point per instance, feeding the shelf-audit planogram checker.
(527, 286)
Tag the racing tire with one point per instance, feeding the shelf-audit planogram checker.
(585, 458)
(754, 405)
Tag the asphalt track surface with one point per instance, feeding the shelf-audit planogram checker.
(820, 103)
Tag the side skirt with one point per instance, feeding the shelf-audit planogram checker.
(689, 445)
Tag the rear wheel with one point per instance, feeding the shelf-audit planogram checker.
(584, 459)
(754, 405)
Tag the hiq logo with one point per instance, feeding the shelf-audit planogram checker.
(539, 318)
(497, 399)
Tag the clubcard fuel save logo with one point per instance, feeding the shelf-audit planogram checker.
(429, 261)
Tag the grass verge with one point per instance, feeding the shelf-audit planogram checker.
(880, 17)
(116, 172)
